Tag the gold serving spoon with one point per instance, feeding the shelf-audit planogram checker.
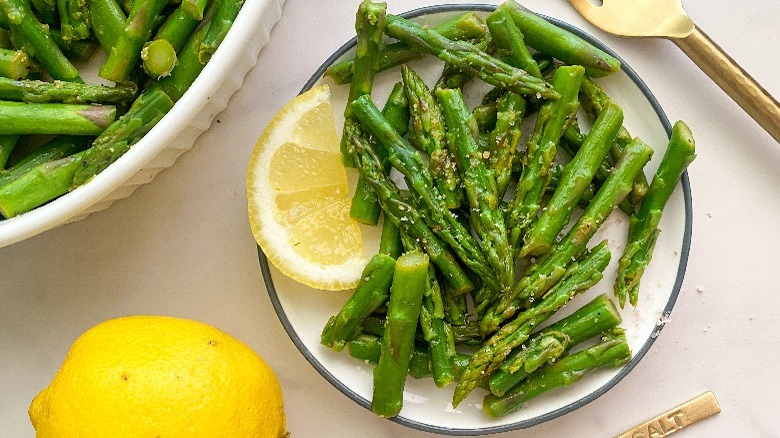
(667, 19)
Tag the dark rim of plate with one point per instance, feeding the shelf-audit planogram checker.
(565, 409)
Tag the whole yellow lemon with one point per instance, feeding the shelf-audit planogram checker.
(154, 376)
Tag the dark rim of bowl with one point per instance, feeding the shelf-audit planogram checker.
(565, 409)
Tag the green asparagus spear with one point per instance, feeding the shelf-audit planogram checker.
(547, 345)
(390, 241)
(406, 218)
(126, 50)
(59, 147)
(508, 37)
(158, 58)
(411, 164)
(225, 13)
(369, 25)
(368, 348)
(551, 122)
(545, 37)
(504, 138)
(74, 19)
(37, 40)
(76, 50)
(403, 311)
(643, 228)
(365, 207)
(39, 185)
(14, 64)
(186, 71)
(577, 175)
(196, 8)
(145, 112)
(428, 134)
(108, 21)
(47, 11)
(593, 98)
(468, 58)
(465, 26)
(177, 28)
(612, 351)
(7, 144)
(371, 292)
(479, 184)
(541, 276)
(579, 277)
(54, 118)
(63, 92)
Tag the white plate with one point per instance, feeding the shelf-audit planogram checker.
(171, 137)
(304, 311)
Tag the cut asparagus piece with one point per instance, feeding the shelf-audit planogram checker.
(643, 227)
(74, 19)
(64, 92)
(108, 21)
(508, 37)
(158, 58)
(465, 26)
(54, 118)
(225, 13)
(403, 312)
(59, 147)
(548, 38)
(468, 58)
(504, 138)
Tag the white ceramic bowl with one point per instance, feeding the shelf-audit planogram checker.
(173, 135)
(303, 311)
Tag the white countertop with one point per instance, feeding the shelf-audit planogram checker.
(181, 245)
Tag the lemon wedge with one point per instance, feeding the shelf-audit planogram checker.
(297, 192)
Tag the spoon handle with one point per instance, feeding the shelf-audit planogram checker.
(732, 79)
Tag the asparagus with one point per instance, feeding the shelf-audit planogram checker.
(468, 58)
(541, 276)
(77, 50)
(127, 48)
(579, 277)
(479, 184)
(177, 28)
(551, 121)
(486, 116)
(435, 212)
(7, 144)
(108, 21)
(548, 38)
(407, 218)
(454, 77)
(47, 11)
(577, 176)
(508, 37)
(390, 241)
(365, 207)
(504, 138)
(593, 99)
(371, 292)
(63, 92)
(546, 346)
(54, 118)
(428, 134)
(14, 64)
(225, 13)
(186, 71)
(643, 227)
(39, 185)
(59, 147)
(37, 40)
(465, 26)
(368, 348)
(196, 8)
(74, 19)
(612, 351)
(369, 25)
(403, 311)
(145, 112)
(158, 58)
